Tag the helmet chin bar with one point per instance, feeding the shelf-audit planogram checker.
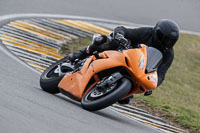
(166, 41)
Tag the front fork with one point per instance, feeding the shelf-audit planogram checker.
(111, 80)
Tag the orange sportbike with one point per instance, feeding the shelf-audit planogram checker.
(102, 79)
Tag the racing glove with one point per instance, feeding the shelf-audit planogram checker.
(96, 42)
(120, 29)
(121, 39)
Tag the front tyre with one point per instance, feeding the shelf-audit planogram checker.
(50, 78)
(96, 100)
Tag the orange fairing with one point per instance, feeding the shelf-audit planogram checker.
(75, 83)
(137, 65)
(134, 60)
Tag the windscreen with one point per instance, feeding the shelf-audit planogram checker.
(154, 59)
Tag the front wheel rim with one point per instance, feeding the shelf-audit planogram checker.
(97, 93)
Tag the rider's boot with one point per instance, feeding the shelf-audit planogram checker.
(148, 93)
(125, 101)
(83, 53)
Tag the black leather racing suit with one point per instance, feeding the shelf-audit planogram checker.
(145, 35)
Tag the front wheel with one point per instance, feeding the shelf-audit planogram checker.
(51, 77)
(97, 99)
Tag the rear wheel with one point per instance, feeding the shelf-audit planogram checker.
(51, 77)
(97, 99)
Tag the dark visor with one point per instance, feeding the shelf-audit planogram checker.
(167, 41)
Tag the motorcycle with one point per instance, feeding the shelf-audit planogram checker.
(103, 79)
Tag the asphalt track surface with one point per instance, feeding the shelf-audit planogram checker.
(25, 108)
(185, 12)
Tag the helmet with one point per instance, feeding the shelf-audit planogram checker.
(166, 32)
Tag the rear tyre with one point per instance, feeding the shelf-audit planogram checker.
(49, 79)
(89, 102)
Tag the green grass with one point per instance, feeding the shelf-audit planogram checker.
(74, 45)
(180, 92)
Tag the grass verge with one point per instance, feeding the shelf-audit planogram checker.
(74, 45)
(178, 97)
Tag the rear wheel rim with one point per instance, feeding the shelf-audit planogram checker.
(52, 73)
(56, 71)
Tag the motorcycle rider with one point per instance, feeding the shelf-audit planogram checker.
(162, 36)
